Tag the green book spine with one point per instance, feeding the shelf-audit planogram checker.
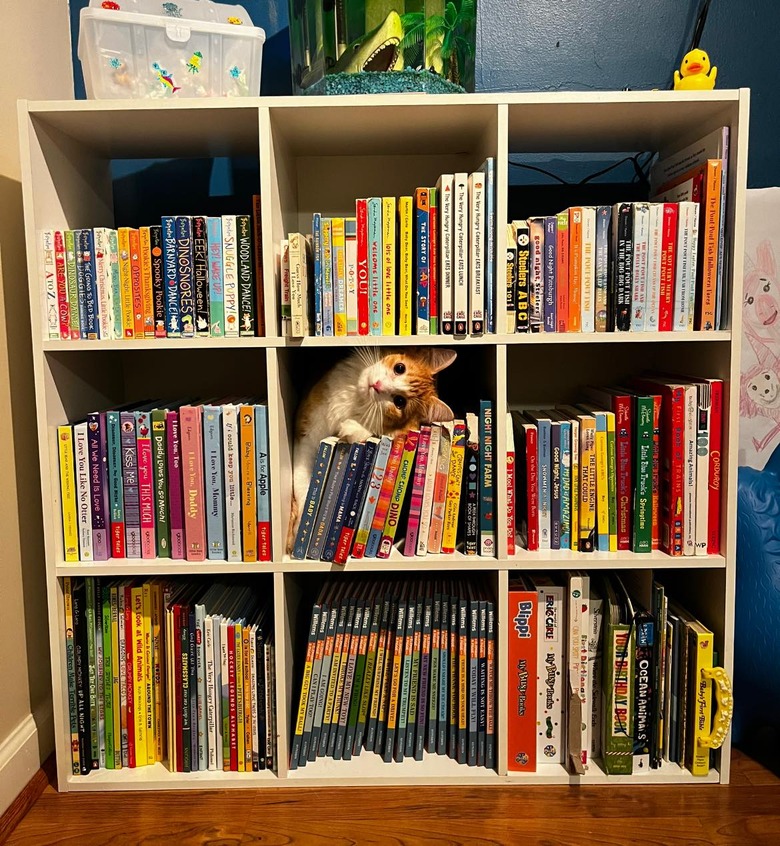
(434, 251)
(92, 674)
(368, 674)
(70, 655)
(618, 675)
(108, 679)
(357, 685)
(72, 283)
(643, 464)
(159, 459)
(612, 482)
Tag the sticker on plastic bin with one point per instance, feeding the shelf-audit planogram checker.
(165, 79)
(110, 4)
(172, 10)
(193, 66)
(233, 20)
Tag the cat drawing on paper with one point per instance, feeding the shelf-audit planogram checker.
(372, 392)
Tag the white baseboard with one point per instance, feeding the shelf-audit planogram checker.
(22, 753)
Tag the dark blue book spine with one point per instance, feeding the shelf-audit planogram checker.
(316, 241)
(91, 316)
(422, 259)
(312, 503)
(200, 274)
(555, 492)
(184, 260)
(329, 496)
(98, 485)
(80, 284)
(550, 292)
(171, 271)
(487, 522)
(361, 485)
(354, 467)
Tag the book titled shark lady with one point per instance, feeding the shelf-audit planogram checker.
(246, 282)
(98, 484)
(171, 275)
(184, 262)
(312, 501)
(263, 484)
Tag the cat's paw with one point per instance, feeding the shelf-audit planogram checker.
(292, 528)
(352, 432)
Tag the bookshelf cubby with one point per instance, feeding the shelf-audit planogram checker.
(318, 154)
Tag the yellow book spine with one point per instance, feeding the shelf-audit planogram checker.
(146, 281)
(125, 283)
(248, 483)
(339, 277)
(240, 697)
(575, 485)
(698, 756)
(245, 638)
(405, 288)
(305, 685)
(115, 687)
(454, 479)
(376, 692)
(587, 484)
(602, 484)
(170, 682)
(157, 673)
(612, 477)
(139, 678)
(388, 265)
(148, 674)
(70, 532)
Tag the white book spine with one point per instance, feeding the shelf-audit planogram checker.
(211, 726)
(579, 632)
(51, 317)
(430, 479)
(689, 507)
(350, 256)
(83, 500)
(253, 682)
(103, 281)
(285, 282)
(594, 673)
(703, 420)
(461, 254)
(297, 298)
(588, 311)
(224, 689)
(440, 503)
(477, 253)
(232, 482)
(230, 274)
(654, 251)
(639, 267)
(200, 675)
(445, 189)
(685, 275)
(551, 742)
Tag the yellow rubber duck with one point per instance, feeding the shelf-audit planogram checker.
(695, 73)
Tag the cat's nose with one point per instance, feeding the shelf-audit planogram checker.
(377, 386)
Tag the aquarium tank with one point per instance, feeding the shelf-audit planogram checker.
(381, 46)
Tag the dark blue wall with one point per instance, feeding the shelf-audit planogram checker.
(590, 45)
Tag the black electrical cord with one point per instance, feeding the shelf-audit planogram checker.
(700, 21)
(639, 176)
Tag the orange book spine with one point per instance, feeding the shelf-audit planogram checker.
(575, 270)
(135, 275)
(248, 483)
(562, 273)
(522, 614)
(710, 233)
(147, 302)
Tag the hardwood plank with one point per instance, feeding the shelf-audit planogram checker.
(20, 807)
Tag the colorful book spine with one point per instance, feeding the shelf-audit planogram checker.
(328, 285)
(216, 291)
(374, 243)
(405, 469)
(522, 611)
(454, 478)
(137, 283)
(487, 523)
(461, 239)
(477, 253)
(191, 436)
(383, 502)
(445, 189)
(316, 244)
(51, 318)
(624, 255)
(361, 215)
(575, 269)
(668, 267)
(550, 672)
(422, 260)
(91, 302)
(418, 488)
(160, 466)
(130, 485)
(246, 282)
(200, 280)
(603, 224)
(511, 482)
(175, 484)
(433, 260)
(471, 486)
(285, 305)
(654, 256)
(262, 464)
(339, 278)
(115, 484)
(350, 256)
(700, 652)
(536, 274)
(98, 485)
(617, 733)
(372, 497)
(439, 504)
(389, 275)
(171, 275)
(80, 285)
(426, 511)
(550, 265)
(510, 292)
(71, 277)
(523, 295)
(147, 296)
(230, 275)
(248, 482)
(158, 280)
(102, 276)
(184, 273)
(587, 499)
(359, 494)
(68, 493)
(145, 483)
(565, 482)
(232, 476)
(710, 225)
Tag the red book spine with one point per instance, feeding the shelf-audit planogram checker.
(344, 545)
(532, 487)
(562, 276)
(716, 443)
(655, 527)
(177, 688)
(233, 718)
(674, 469)
(130, 640)
(521, 726)
(63, 306)
(433, 266)
(622, 407)
(668, 267)
(362, 266)
(510, 502)
(264, 541)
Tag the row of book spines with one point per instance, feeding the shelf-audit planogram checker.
(635, 474)
(189, 276)
(116, 689)
(356, 494)
(221, 716)
(399, 672)
(191, 483)
(604, 269)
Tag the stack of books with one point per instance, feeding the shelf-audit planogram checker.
(159, 671)
(399, 668)
(422, 264)
(355, 505)
(613, 656)
(182, 481)
(186, 277)
(633, 468)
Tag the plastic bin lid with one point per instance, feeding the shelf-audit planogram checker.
(192, 10)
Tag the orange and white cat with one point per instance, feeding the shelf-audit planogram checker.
(372, 392)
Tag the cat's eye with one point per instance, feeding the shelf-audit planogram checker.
(399, 401)
(399, 369)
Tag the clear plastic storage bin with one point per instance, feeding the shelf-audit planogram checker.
(161, 48)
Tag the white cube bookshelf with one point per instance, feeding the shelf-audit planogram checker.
(318, 154)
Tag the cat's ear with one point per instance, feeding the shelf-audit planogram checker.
(439, 412)
(438, 359)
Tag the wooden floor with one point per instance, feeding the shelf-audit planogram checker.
(747, 813)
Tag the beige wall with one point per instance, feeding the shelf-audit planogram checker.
(35, 63)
